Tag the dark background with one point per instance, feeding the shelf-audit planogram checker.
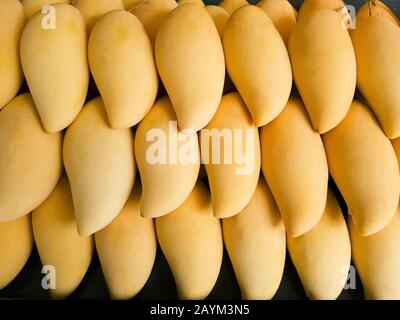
(27, 285)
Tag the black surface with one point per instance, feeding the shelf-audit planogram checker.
(160, 285)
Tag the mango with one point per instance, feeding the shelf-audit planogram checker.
(321, 47)
(282, 14)
(256, 242)
(55, 65)
(200, 2)
(30, 159)
(322, 255)
(363, 164)
(230, 150)
(92, 10)
(308, 7)
(190, 61)
(295, 167)
(128, 4)
(16, 242)
(168, 160)
(101, 168)
(32, 7)
(219, 16)
(377, 260)
(123, 68)
(377, 8)
(191, 240)
(127, 249)
(58, 241)
(376, 41)
(12, 21)
(265, 80)
(231, 6)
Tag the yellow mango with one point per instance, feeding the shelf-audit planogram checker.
(191, 240)
(396, 147)
(376, 41)
(12, 21)
(321, 47)
(376, 8)
(231, 154)
(16, 242)
(30, 159)
(167, 175)
(93, 10)
(55, 65)
(282, 14)
(32, 7)
(322, 255)
(256, 243)
(219, 16)
(58, 241)
(310, 6)
(127, 249)
(231, 6)
(265, 79)
(128, 4)
(152, 13)
(180, 2)
(377, 260)
(101, 168)
(363, 164)
(123, 67)
(295, 167)
(190, 61)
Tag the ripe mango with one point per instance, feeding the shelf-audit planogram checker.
(310, 6)
(101, 168)
(167, 175)
(16, 242)
(322, 255)
(231, 6)
(180, 2)
(282, 14)
(128, 4)
(258, 63)
(363, 164)
(190, 61)
(30, 159)
(321, 47)
(12, 21)
(219, 16)
(32, 7)
(55, 66)
(376, 8)
(152, 13)
(231, 154)
(123, 67)
(58, 241)
(376, 41)
(256, 242)
(127, 249)
(295, 167)
(377, 260)
(191, 240)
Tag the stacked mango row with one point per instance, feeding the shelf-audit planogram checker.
(70, 164)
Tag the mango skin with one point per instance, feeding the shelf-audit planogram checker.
(127, 249)
(100, 164)
(16, 242)
(256, 242)
(92, 10)
(128, 4)
(188, 41)
(12, 21)
(123, 67)
(58, 241)
(377, 8)
(30, 159)
(322, 255)
(378, 71)
(231, 191)
(377, 260)
(200, 2)
(231, 6)
(55, 66)
(219, 16)
(295, 167)
(363, 164)
(309, 6)
(282, 14)
(152, 13)
(320, 46)
(265, 80)
(165, 185)
(32, 7)
(191, 240)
